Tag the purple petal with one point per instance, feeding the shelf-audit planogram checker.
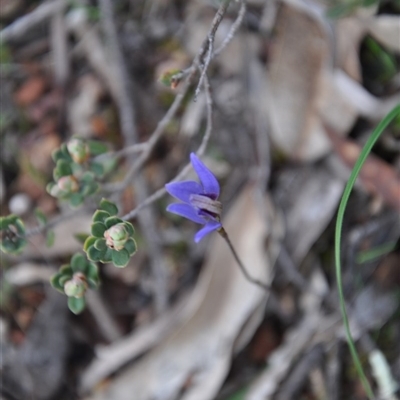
(208, 228)
(183, 190)
(207, 178)
(187, 211)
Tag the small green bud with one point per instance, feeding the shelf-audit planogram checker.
(76, 287)
(67, 184)
(79, 150)
(116, 236)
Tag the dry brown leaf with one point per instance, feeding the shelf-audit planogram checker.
(300, 56)
(197, 357)
(309, 198)
(307, 87)
(349, 34)
(83, 107)
(30, 91)
(296, 341)
(377, 176)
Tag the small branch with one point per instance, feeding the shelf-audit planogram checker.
(206, 138)
(234, 28)
(190, 72)
(108, 327)
(19, 27)
(129, 132)
(133, 149)
(257, 282)
(205, 67)
(155, 136)
(55, 221)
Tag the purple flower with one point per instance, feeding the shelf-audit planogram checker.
(200, 203)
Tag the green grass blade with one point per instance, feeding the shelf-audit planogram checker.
(338, 235)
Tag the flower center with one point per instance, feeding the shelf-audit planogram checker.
(205, 204)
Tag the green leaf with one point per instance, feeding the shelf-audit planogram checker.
(89, 188)
(129, 228)
(89, 242)
(338, 237)
(11, 246)
(62, 169)
(107, 257)
(55, 282)
(96, 168)
(165, 78)
(108, 206)
(40, 216)
(78, 263)
(66, 270)
(76, 305)
(96, 147)
(76, 199)
(63, 280)
(98, 229)
(3, 223)
(88, 177)
(20, 226)
(49, 187)
(111, 221)
(376, 252)
(100, 244)
(131, 247)
(61, 154)
(120, 258)
(81, 237)
(50, 238)
(93, 276)
(100, 216)
(95, 255)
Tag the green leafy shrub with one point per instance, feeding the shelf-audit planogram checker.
(74, 279)
(111, 238)
(12, 234)
(76, 173)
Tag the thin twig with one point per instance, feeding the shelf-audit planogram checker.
(133, 149)
(257, 282)
(28, 21)
(205, 66)
(156, 135)
(206, 138)
(54, 221)
(211, 39)
(128, 125)
(232, 31)
(105, 321)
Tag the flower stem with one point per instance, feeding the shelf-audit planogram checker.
(257, 282)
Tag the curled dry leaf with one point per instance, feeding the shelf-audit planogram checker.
(299, 56)
(314, 78)
(30, 91)
(309, 198)
(197, 357)
(377, 176)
